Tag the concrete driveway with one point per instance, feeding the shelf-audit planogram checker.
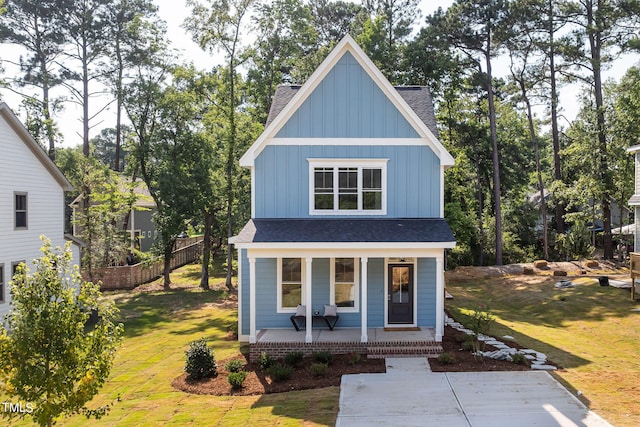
(464, 399)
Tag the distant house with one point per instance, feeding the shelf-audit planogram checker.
(347, 214)
(32, 200)
(140, 226)
(634, 201)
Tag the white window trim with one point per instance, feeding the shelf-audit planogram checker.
(356, 278)
(342, 163)
(280, 308)
(26, 210)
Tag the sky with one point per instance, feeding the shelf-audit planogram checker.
(174, 13)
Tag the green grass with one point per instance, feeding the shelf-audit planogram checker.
(158, 327)
(590, 331)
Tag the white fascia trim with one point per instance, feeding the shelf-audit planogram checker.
(403, 247)
(633, 149)
(347, 141)
(347, 44)
(334, 252)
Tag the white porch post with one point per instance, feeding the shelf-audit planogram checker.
(439, 297)
(252, 300)
(363, 303)
(308, 300)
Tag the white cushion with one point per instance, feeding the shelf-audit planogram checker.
(330, 310)
(301, 310)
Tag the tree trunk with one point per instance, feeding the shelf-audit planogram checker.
(495, 157)
(206, 249)
(230, 161)
(85, 102)
(168, 250)
(555, 133)
(595, 45)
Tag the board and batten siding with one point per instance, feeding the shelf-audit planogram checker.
(426, 298)
(282, 179)
(22, 172)
(347, 104)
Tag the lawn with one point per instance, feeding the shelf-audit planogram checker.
(592, 332)
(158, 327)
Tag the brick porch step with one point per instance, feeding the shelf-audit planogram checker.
(383, 352)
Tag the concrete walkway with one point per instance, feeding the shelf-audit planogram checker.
(409, 395)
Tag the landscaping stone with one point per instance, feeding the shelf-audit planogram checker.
(544, 367)
(540, 263)
(508, 337)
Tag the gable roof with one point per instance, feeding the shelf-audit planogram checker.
(417, 97)
(292, 97)
(34, 147)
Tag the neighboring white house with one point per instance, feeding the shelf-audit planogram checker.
(634, 201)
(31, 201)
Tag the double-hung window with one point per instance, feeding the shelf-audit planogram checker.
(290, 288)
(347, 186)
(20, 205)
(344, 284)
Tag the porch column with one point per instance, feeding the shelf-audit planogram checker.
(252, 300)
(439, 297)
(363, 303)
(308, 300)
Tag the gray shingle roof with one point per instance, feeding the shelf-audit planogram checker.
(345, 230)
(634, 200)
(418, 98)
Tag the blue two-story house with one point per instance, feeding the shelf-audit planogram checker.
(347, 211)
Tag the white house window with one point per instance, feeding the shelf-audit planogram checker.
(344, 284)
(347, 186)
(20, 210)
(290, 289)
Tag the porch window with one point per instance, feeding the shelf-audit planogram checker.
(344, 284)
(347, 186)
(290, 283)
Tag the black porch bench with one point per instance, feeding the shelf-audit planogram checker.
(329, 320)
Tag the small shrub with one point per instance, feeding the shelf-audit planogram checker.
(280, 372)
(323, 357)
(201, 361)
(468, 345)
(319, 369)
(293, 358)
(265, 361)
(446, 359)
(460, 338)
(234, 365)
(236, 379)
(519, 359)
(353, 358)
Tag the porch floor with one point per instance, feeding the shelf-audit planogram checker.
(340, 335)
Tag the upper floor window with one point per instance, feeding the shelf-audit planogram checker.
(20, 210)
(347, 186)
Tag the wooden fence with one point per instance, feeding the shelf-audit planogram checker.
(130, 276)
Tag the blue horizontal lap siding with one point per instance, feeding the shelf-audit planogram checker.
(426, 300)
(347, 103)
(375, 293)
(282, 179)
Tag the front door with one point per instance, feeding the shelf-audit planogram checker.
(400, 293)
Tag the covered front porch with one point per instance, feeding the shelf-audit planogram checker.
(382, 342)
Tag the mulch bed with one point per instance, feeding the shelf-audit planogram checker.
(259, 382)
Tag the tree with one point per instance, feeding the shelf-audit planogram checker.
(219, 26)
(607, 25)
(471, 27)
(385, 35)
(335, 19)
(84, 24)
(106, 147)
(53, 358)
(128, 29)
(37, 26)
